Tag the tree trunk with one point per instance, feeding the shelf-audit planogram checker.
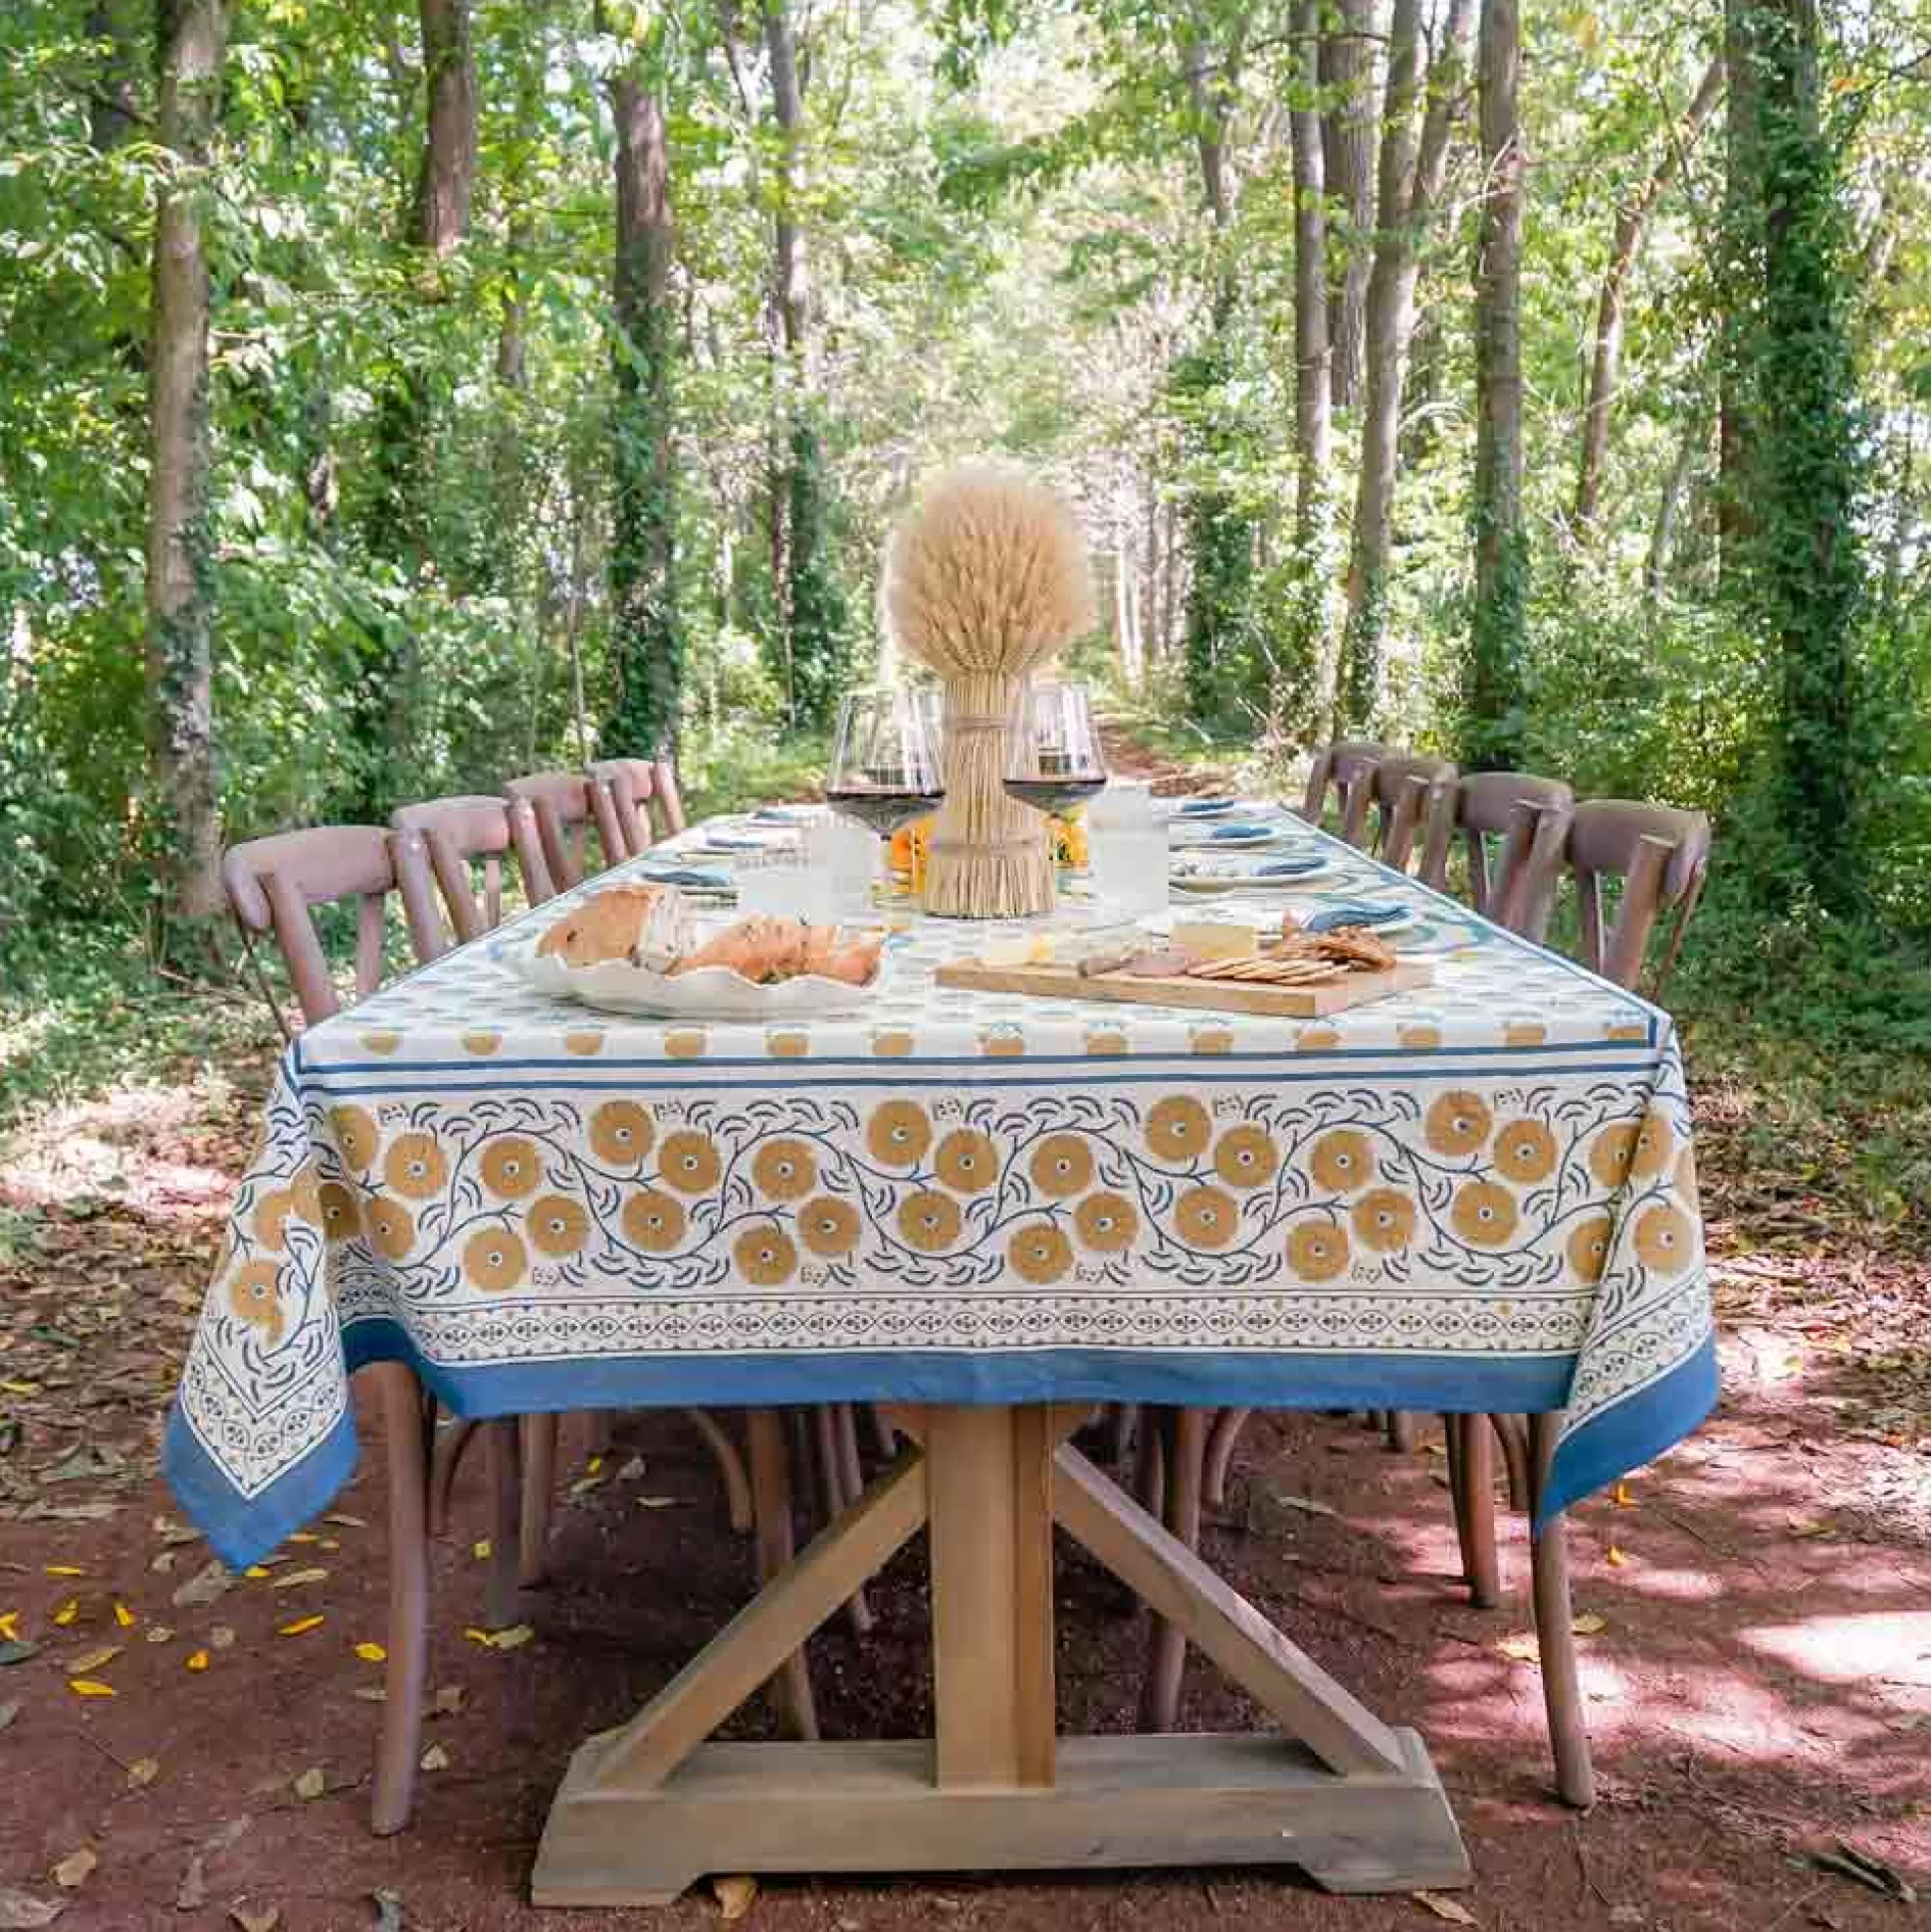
(1312, 376)
(1348, 166)
(1410, 178)
(113, 98)
(192, 37)
(1605, 364)
(1669, 509)
(1741, 264)
(1493, 688)
(646, 637)
(448, 171)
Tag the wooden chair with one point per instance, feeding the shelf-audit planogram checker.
(1661, 856)
(1404, 789)
(670, 799)
(270, 885)
(1347, 768)
(457, 835)
(1530, 818)
(620, 793)
(557, 804)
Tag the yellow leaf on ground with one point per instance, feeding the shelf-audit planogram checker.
(514, 1638)
(254, 1573)
(21, 1387)
(343, 1519)
(68, 1612)
(90, 1661)
(371, 1693)
(478, 1636)
(255, 1918)
(304, 1536)
(143, 1770)
(90, 1687)
(74, 1870)
(295, 1577)
(124, 1617)
(197, 1660)
(481, 1548)
(594, 1464)
(448, 1701)
(65, 1570)
(300, 1626)
(1521, 1648)
(310, 1784)
(734, 1896)
(435, 1759)
(1589, 1623)
(1624, 1500)
(656, 1502)
(157, 1633)
(1614, 1558)
(10, 1625)
(1445, 1908)
(221, 1637)
(372, 1653)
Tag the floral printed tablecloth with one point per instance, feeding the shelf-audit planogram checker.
(1479, 1195)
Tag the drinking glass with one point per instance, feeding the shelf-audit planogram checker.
(1053, 754)
(884, 771)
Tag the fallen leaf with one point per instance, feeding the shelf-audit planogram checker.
(90, 1687)
(124, 1617)
(172, 1532)
(10, 1625)
(657, 1502)
(734, 1896)
(632, 1472)
(584, 1484)
(68, 1612)
(1614, 1558)
(449, 1700)
(157, 1633)
(16, 1649)
(1445, 1908)
(514, 1638)
(257, 1572)
(372, 1653)
(8, 1712)
(1627, 1915)
(435, 1759)
(65, 1570)
(212, 1579)
(478, 1636)
(388, 1910)
(163, 1563)
(481, 1548)
(302, 1625)
(193, 1890)
(297, 1578)
(76, 1868)
(594, 1466)
(304, 1536)
(343, 1520)
(88, 1661)
(1622, 1497)
(1851, 1863)
(221, 1637)
(1521, 1647)
(371, 1693)
(143, 1770)
(255, 1918)
(197, 1660)
(23, 1912)
(310, 1784)
(1589, 1623)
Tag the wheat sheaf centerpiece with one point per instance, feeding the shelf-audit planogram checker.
(986, 579)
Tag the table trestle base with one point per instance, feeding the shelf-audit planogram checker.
(650, 1807)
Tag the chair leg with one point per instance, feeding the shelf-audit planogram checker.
(1149, 1463)
(445, 1458)
(539, 1487)
(1121, 1419)
(1185, 1430)
(851, 1465)
(1222, 1439)
(499, 1608)
(885, 1439)
(1399, 1426)
(1561, 1692)
(406, 1423)
(1473, 1478)
(1513, 1435)
(731, 1466)
(835, 1497)
(770, 1488)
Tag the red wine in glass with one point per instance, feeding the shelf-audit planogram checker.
(884, 808)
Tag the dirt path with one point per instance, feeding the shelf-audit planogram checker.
(1758, 1686)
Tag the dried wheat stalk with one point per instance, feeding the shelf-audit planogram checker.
(984, 581)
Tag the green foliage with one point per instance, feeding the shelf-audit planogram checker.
(819, 626)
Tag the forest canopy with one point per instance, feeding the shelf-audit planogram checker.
(397, 398)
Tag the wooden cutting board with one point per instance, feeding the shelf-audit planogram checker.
(1211, 995)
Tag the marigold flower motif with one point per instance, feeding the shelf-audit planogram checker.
(1484, 1213)
(1107, 1043)
(253, 1297)
(1210, 1039)
(270, 1222)
(968, 1160)
(1107, 1222)
(584, 1042)
(1246, 1156)
(511, 1166)
(1664, 1240)
(929, 1221)
(415, 1166)
(304, 1195)
(1178, 1128)
(557, 1224)
(1384, 1221)
(898, 1134)
(1342, 1160)
(341, 1220)
(1611, 1152)
(481, 1044)
(685, 1043)
(1418, 1036)
(1524, 1032)
(1589, 1247)
(765, 1256)
(1041, 1252)
(1458, 1123)
(891, 1043)
(785, 1168)
(1207, 1217)
(1525, 1151)
(1063, 1164)
(653, 1220)
(828, 1227)
(355, 1137)
(1655, 1145)
(494, 1259)
(1317, 1250)
(621, 1132)
(391, 1228)
(688, 1161)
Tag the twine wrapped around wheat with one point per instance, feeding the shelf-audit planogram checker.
(985, 579)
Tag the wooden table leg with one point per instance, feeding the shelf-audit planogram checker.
(1562, 1690)
(771, 1489)
(407, 1422)
(1472, 1475)
(1184, 1434)
(501, 1595)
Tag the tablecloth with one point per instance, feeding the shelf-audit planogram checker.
(1478, 1195)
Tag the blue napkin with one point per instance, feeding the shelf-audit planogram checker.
(1205, 808)
(1329, 917)
(778, 814)
(1287, 868)
(735, 842)
(687, 875)
(1244, 830)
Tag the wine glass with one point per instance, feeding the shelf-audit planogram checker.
(885, 771)
(1053, 755)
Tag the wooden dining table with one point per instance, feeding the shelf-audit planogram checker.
(987, 1214)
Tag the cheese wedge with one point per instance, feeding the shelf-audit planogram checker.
(1209, 939)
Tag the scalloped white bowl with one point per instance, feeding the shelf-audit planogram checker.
(710, 992)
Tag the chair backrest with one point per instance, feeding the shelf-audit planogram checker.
(1530, 815)
(272, 882)
(670, 801)
(620, 794)
(1405, 785)
(558, 806)
(456, 833)
(1346, 766)
(1662, 856)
